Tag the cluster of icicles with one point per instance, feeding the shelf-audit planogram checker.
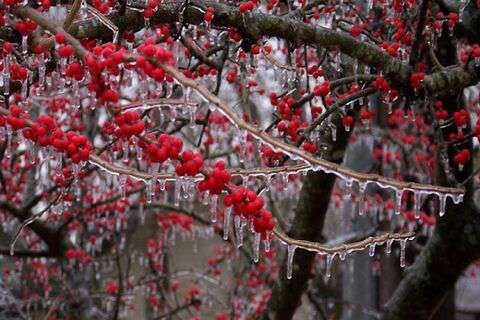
(185, 186)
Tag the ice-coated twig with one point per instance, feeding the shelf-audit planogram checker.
(338, 249)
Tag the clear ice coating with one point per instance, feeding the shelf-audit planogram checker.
(226, 222)
(149, 190)
(416, 204)
(256, 246)
(290, 254)
(213, 208)
(388, 248)
(403, 244)
(238, 230)
(398, 201)
(328, 270)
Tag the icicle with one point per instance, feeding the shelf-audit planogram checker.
(177, 191)
(403, 244)
(9, 151)
(24, 44)
(285, 180)
(238, 230)
(343, 255)
(443, 200)
(138, 152)
(245, 181)
(416, 204)
(371, 250)
(328, 271)
(267, 242)
(150, 187)
(191, 115)
(290, 253)
(6, 74)
(206, 197)
(268, 182)
(388, 248)
(115, 36)
(161, 184)
(226, 222)
(213, 208)
(362, 198)
(122, 185)
(125, 149)
(256, 247)
(333, 129)
(398, 201)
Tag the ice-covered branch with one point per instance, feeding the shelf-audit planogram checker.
(317, 164)
(116, 170)
(342, 248)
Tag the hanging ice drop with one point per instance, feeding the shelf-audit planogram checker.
(416, 204)
(290, 253)
(213, 208)
(328, 271)
(256, 246)
(226, 222)
(403, 244)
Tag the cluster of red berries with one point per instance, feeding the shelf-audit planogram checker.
(166, 147)
(16, 118)
(366, 115)
(12, 2)
(149, 50)
(290, 128)
(175, 219)
(347, 122)
(356, 30)
(473, 51)
(76, 145)
(103, 6)
(381, 84)
(217, 180)
(461, 118)
(316, 111)
(209, 14)
(17, 72)
(26, 27)
(322, 90)
(150, 8)
(190, 164)
(285, 106)
(80, 256)
(391, 48)
(402, 34)
(75, 71)
(315, 71)
(269, 156)
(249, 205)
(246, 6)
(129, 124)
(416, 79)
(462, 158)
(309, 146)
